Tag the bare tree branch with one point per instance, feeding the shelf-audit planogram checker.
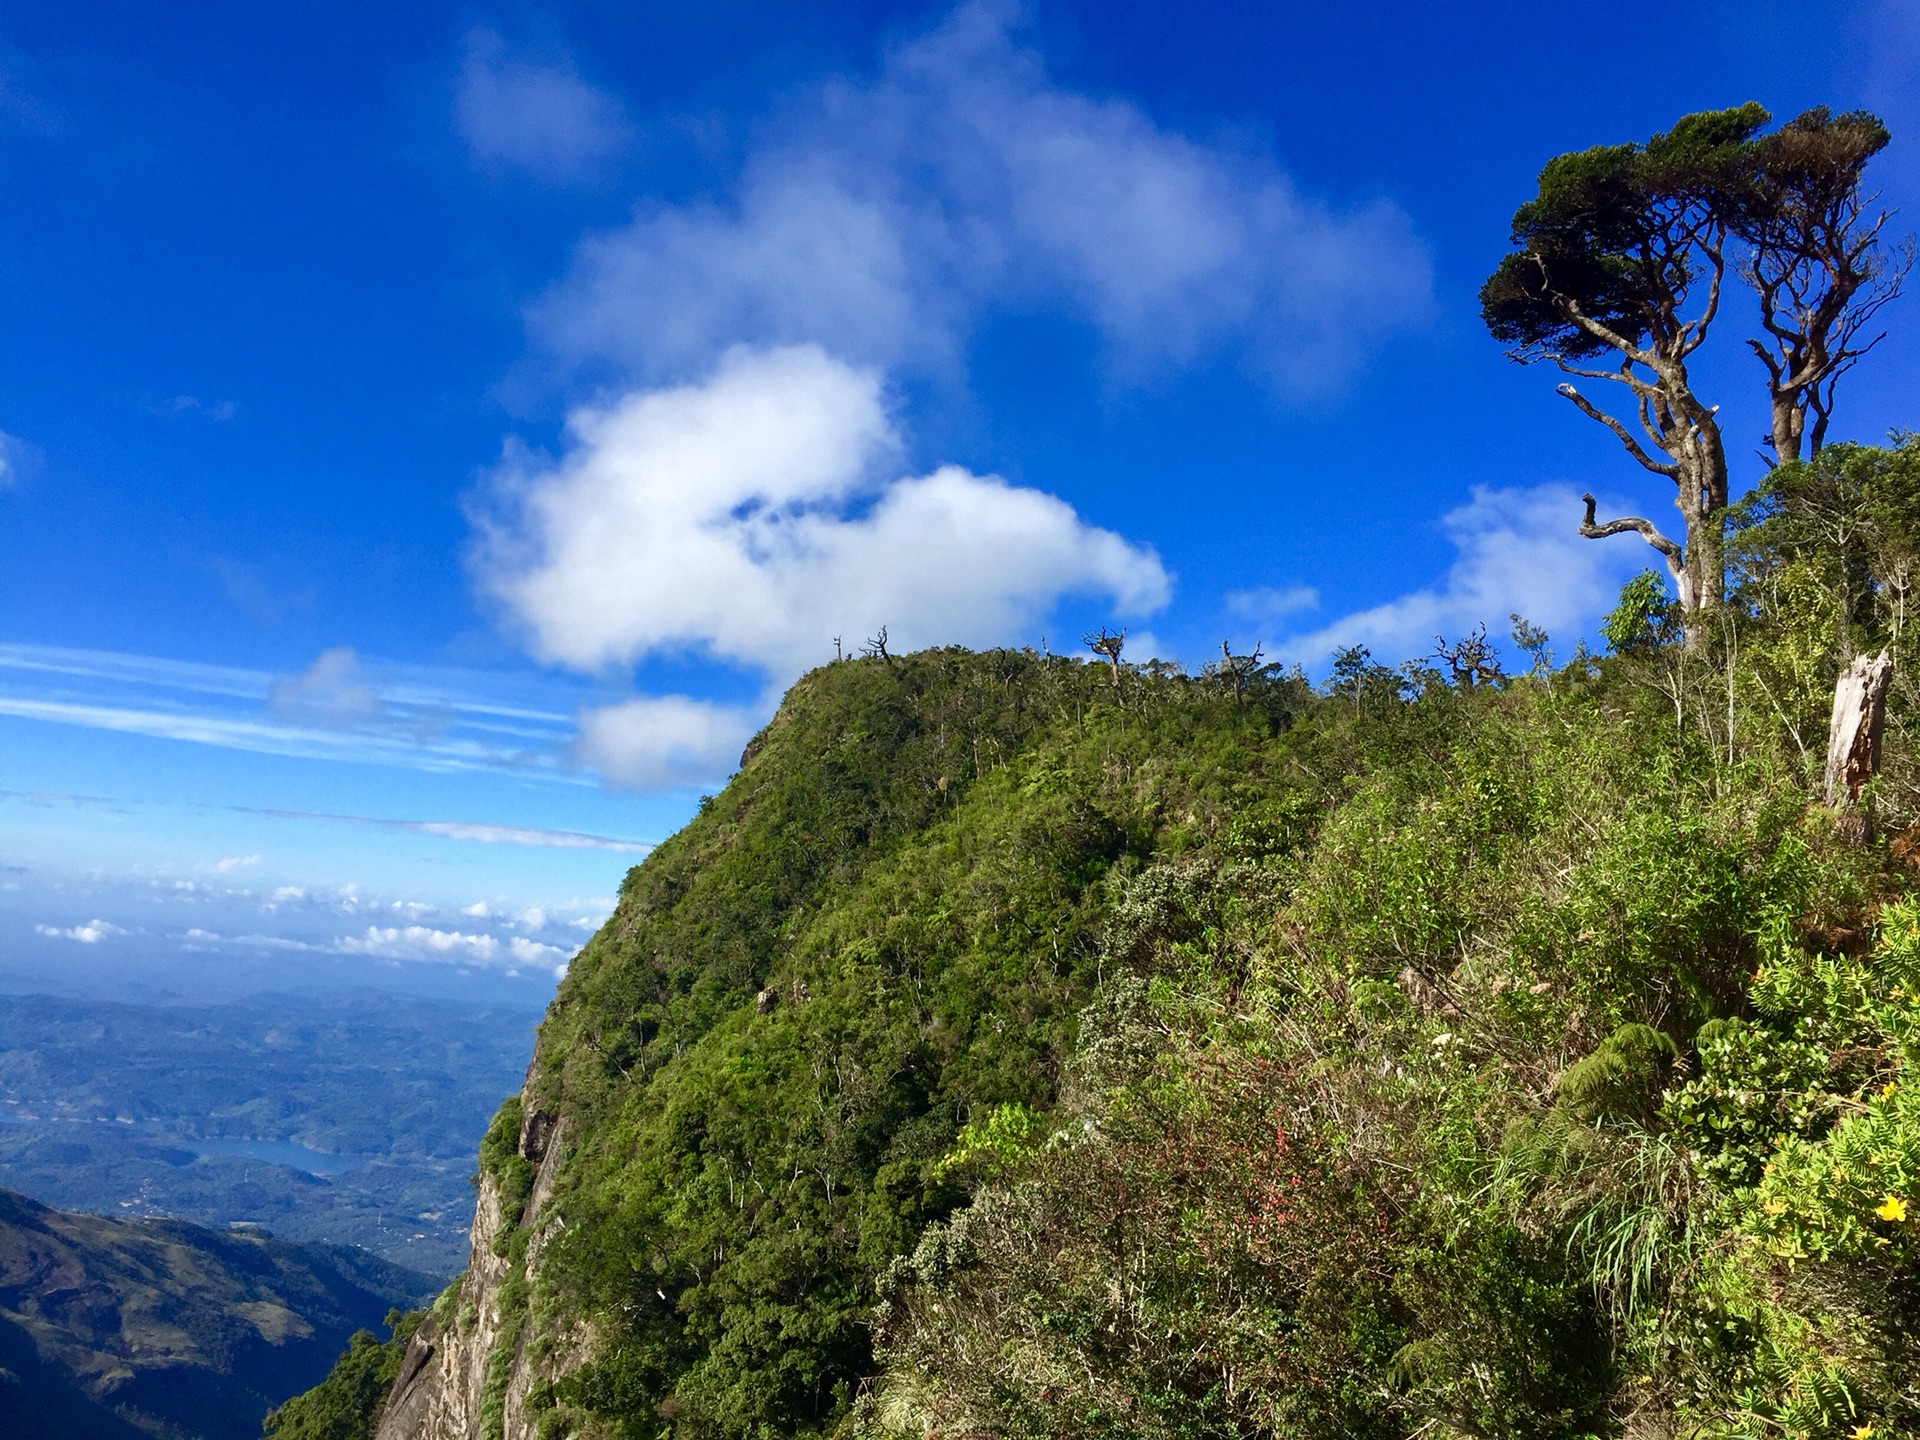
(1675, 557)
(1593, 412)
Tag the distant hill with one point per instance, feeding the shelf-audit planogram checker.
(118, 1330)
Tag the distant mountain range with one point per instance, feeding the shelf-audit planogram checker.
(134, 1329)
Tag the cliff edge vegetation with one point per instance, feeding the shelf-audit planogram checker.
(1022, 1046)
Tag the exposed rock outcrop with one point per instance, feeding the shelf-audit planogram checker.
(468, 1372)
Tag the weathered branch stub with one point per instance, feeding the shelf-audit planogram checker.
(1853, 737)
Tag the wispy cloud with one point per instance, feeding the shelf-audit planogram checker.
(477, 832)
(195, 406)
(333, 690)
(1516, 551)
(1269, 605)
(532, 112)
(17, 459)
(263, 598)
(413, 717)
(883, 219)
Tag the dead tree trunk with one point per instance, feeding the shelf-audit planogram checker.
(1853, 736)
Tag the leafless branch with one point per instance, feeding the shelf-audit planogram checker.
(1594, 412)
(1675, 557)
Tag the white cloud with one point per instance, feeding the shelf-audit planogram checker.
(235, 862)
(1517, 551)
(741, 519)
(882, 219)
(91, 933)
(421, 942)
(476, 832)
(657, 742)
(425, 942)
(540, 117)
(436, 719)
(518, 835)
(331, 691)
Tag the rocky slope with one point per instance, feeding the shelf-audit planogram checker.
(469, 1368)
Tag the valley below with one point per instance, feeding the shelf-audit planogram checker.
(346, 1119)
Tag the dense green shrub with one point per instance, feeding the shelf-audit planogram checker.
(1005, 1052)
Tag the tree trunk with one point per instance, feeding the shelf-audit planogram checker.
(1853, 737)
(1789, 425)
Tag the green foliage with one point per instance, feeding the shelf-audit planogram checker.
(502, 1162)
(1645, 617)
(1007, 1052)
(994, 1146)
(1613, 230)
(1623, 1079)
(346, 1405)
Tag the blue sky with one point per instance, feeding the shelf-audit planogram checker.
(431, 437)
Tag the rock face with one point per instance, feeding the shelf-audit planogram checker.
(469, 1361)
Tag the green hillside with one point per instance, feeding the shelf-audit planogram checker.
(116, 1330)
(1016, 1047)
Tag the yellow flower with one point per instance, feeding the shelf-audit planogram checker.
(1861, 1432)
(1893, 1208)
(1888, 1090)
(1775, 1207)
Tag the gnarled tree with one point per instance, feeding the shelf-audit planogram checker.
(1815, 259)
(1616, 277)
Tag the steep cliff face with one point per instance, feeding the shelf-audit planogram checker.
(469, 1368)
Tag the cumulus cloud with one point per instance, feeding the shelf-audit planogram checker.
(534, 114)
(744, 519)
(235, 862)
(331, 691)
(91, 933)
(657, 742)
(882, 219)
(1516, 550)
